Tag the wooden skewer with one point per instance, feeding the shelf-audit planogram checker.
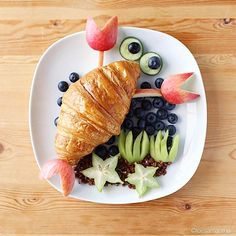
(100, 58)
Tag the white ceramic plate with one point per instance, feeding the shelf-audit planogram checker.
(73, 54)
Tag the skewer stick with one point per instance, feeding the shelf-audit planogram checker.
(100, 58)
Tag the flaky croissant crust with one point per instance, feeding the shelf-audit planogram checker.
(94, 108)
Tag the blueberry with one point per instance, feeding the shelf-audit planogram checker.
(171, 128)
(146, 105)
(150, 129)
(130, 114)
(134, 47)
(136, 131)
(63, 86)
(111, 140)
(139, 112)
(59, 101)
(151, 118)
(133, 103)
(158, 82)
(158, 102)
(154, 62)
(56, 121)
(113, 150)
(101, 151)
(172, 118)
(159, 125)
(145, 85)
(128, 123)
(138, 100)
(169, 106)
(162, 114)
(141, 124)
(73, 77)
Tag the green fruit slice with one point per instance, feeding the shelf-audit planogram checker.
(157, 146)
(144, 63)
(103, 171)
(129, 147)
(121, 143)
(124, 49)
(152, 147)
(143, 178)
(164, 151)
(144, 146)
(174, 149)
(137, 147)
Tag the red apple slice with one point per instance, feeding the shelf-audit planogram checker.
(65, 171)
(102, 39)
(147, 93)
(172, 92)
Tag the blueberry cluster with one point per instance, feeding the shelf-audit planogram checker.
(109, 148)
(63, 87)
(150, 114)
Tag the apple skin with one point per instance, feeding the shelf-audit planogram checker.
(65, 171)
(172, 92)
(102, 39)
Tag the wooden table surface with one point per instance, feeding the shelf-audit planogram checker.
(206, 205)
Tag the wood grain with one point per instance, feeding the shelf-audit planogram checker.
(205, 206)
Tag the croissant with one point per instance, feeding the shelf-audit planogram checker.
(94, 108)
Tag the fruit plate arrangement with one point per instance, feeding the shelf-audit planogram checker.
(72, 54)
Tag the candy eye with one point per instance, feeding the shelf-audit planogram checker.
(151, 63)
(131, 49)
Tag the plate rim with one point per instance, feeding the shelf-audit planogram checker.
(140, 200)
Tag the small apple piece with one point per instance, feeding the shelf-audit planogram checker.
(65, 171)
(102, 39)
(157, 146)
(145, 146)
(174, 149)
(152, 147)
(172, 92)
(164, 151)
(147, 93)
(137, 147)
(121, 143)
(129, 147)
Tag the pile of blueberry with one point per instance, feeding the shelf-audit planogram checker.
(109, 148)
(63, 86)
(149, 114)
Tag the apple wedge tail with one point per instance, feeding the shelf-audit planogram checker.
(172, 92)
(65, 171)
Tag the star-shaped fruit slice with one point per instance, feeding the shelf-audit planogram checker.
(103, 171)
(143, 178)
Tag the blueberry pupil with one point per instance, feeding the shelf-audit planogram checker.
(158, 82)
(154, 62)
(134, 47)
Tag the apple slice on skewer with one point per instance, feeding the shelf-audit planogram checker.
(102, 39)
(171, 90)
